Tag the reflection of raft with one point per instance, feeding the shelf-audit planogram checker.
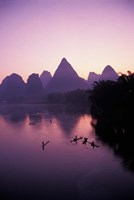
(93, 144)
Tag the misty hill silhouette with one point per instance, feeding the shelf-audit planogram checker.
(65, 79)
(34, 87)
(92, 77)
(12, 88)
(107, 74)
(45, 78)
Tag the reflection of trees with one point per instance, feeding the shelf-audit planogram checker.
(17, 113)
(112, 106)
(67, 122)
(66, 116)
(17, 117)
(13, 113)
(35, 118)
(119, 136)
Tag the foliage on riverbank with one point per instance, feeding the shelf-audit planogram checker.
(112, 107)
(113, 99)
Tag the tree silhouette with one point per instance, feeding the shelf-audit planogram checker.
(112, 106)
(113, 99)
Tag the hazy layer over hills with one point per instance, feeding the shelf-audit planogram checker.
(65, 79)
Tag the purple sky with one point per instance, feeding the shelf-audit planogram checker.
(36, 34)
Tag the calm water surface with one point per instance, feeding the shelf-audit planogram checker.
(63, 170)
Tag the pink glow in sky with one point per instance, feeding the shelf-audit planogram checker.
(36, 34)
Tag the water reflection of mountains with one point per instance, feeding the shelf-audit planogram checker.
(118, 135)
(67, 117)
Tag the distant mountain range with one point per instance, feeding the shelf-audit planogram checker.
(64, 79)
(107, 74)
(45, 77)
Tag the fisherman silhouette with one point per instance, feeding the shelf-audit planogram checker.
(76, 139)
(44, 144)
(93, 144)
(85, 140)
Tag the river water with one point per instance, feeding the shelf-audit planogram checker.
(62, 169)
